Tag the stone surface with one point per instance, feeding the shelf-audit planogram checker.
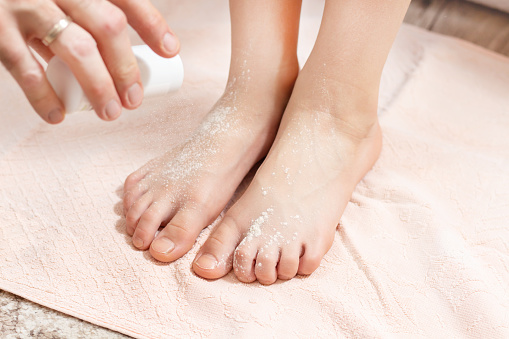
(20, 318)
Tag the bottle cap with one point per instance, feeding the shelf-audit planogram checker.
(159, 75)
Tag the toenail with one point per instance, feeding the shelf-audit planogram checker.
(163, 245)
(206, 261)
(137, 242)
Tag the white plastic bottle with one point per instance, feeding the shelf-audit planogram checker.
(159, 76)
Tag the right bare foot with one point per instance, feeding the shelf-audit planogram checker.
(188, 187)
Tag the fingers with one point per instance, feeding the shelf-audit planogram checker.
(108, 26)
(20, 62)
(150, 25)
(96, 48)
(42, 50)
(78, 49)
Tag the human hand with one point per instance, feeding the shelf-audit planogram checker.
(95, 45)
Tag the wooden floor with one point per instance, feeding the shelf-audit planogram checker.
(481, 25)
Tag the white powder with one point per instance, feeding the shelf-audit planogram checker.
(264, 191)
(255, 229)
(286, 171)
(187, 159)
(216, 121)
(256, 226)
(268, 237)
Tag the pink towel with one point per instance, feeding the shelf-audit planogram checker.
(422, 249)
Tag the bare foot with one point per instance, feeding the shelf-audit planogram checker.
(188, 187)
(285, 222)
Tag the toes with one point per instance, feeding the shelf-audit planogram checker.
(133, 194)
(265, 268)
(215, 257)
(149, 223)
(310, 261)
(137, 209)
(133, 178)
(244, 261)
(289, 262)
(178, 237)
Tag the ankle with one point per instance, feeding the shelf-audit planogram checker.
(338, 105)
(274, 79)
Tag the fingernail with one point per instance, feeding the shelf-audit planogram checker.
(135, 95)
(170, 43)
(112, 109)
(137, 242)
(55, 116)
(207, 261)
(163, 245)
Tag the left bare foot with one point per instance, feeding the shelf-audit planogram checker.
(285, 222)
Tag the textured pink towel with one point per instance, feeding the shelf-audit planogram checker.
(422, 249)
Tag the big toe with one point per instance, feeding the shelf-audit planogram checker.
(214, 260)
(179, 236)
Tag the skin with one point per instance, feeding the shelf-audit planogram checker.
(188, 203)
(96, 47)
(327, 140)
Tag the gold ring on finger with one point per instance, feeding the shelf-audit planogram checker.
(56, 30)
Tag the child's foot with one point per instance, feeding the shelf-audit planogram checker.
(188, 187)
(286, 220)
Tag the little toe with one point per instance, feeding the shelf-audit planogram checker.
(132, 195)
(266, 262)
(149, 223)
(179, 236)
(289, 262)
(137, 209)
(214, 260)
(309, 261)
(134, 178)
